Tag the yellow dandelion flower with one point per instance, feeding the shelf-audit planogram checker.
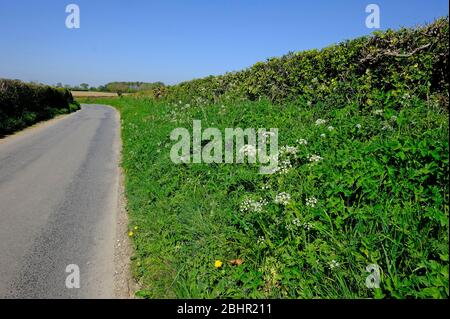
(130, 233)
(218, 264)
(136, 228)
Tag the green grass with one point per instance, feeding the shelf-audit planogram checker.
(381, 190)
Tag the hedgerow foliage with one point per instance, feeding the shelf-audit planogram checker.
(23, 104)
(390, 62)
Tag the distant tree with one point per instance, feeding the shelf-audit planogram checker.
(59, 85)
(84, 86)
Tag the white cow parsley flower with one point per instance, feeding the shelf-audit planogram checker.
(311, 202)
(283, 198)
(315, 158)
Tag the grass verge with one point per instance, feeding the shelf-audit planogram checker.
(378, 196)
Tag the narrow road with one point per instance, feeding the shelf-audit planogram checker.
(58, 204)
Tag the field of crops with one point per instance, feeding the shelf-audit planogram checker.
(364, 181)
(92, 94)
(23, 104)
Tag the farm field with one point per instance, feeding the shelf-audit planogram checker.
(81, 94)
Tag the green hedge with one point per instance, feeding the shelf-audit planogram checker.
(413, 60)
(23, 104)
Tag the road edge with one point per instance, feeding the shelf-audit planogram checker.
(124, 284)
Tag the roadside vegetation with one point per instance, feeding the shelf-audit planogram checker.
(364, 178)
(23, 104)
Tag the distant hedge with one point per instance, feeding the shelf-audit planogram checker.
(369, 70)
(23, 104)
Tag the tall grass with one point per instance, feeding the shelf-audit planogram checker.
(381, 191)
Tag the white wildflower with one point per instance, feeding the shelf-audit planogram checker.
(284, 166)
(320, 121)
(323, 135)
(358, 126)
(311, 201)
(291, 149)
(302, 141)
(333, 264)
(315, 158)
(283, 198)
(251, 205)
(330, 128)
(296, 222)
(307, 226)
(284, 150)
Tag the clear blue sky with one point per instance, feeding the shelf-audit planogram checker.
(176, 40)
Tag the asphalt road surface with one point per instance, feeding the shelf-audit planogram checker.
(58, 204)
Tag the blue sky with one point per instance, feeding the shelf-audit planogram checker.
(176, 40)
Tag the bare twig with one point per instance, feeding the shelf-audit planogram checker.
(395, 53)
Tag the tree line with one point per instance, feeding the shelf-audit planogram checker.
(117, 87)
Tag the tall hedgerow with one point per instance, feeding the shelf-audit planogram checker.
(23, 104)
(368, 70)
